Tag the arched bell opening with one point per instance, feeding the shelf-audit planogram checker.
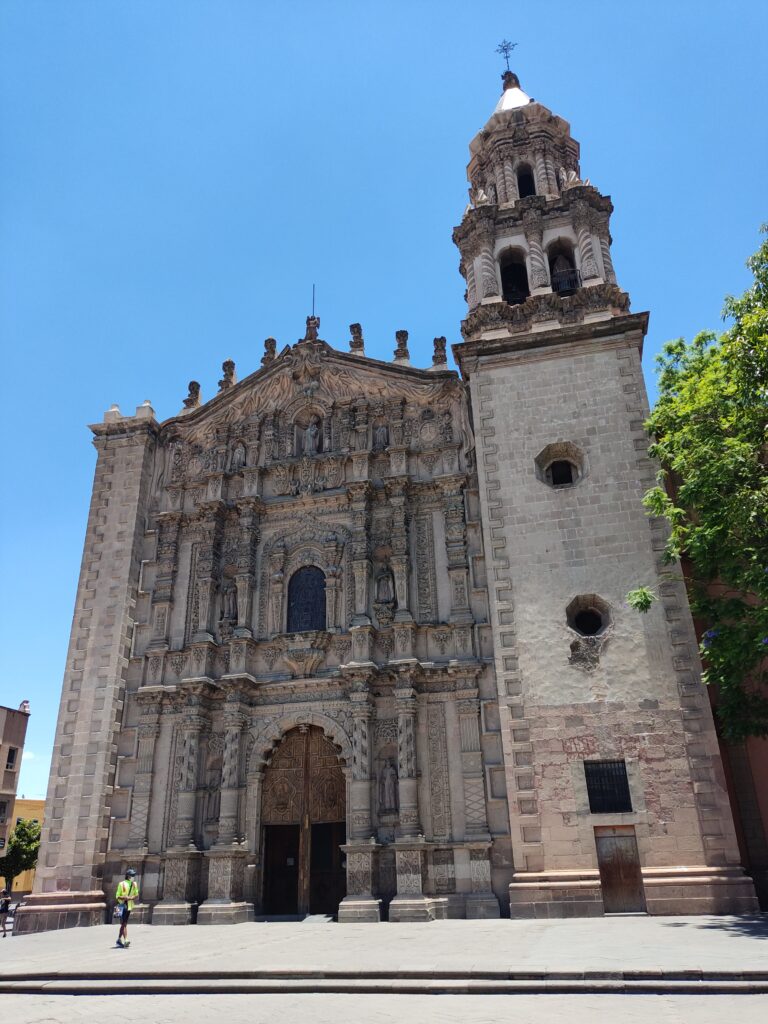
(303, 821)
(562, 268)
(526, 183)
(514, 276)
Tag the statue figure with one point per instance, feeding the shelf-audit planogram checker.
(385, 587)
(388, 799)
(229, 603)
(192, 401)
(238, 457)
(270, 347)
(313, 325)
(381, 436)
(479, 197)
(312, 437)
(212, 789)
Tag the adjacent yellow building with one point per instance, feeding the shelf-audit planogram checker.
(26, 809)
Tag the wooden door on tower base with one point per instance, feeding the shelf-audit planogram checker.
(304, 789)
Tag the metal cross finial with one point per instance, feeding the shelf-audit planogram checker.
(505, 48)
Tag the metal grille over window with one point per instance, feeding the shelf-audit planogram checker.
(306, 600)
(607, 787)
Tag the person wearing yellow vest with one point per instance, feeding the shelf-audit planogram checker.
(127, 892)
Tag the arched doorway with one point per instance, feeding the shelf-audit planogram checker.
(304, 823)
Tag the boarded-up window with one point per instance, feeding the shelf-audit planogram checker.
(607, 787)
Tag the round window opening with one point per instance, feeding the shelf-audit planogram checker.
(588, 615)
(588, 622)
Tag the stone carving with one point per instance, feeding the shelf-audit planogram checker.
(388, 795)
(192, 401)
(356, 343)
(408, 867)
(380, 436)
(270, 346)
(439, 788)
(425, 568)
(229, 602)
(439, 357)
(480, 870)
(238, 457)
(385, 603)
(401, 351)
(313, 326)
(228, 379)
(444, 870)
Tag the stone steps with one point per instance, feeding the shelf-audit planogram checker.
(400, 982)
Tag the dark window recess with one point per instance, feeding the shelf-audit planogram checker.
(10, 764)
(306, 600)
(607, 787)
(514, 282)
(526, 186)
(588, 622)
(561, 473)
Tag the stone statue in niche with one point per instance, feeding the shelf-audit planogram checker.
(311, 442)
(238, 457)
(388, 795)
(384, 597)
(229, 603)
(381, 436)
(212, 789)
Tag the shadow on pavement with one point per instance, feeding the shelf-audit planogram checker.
(753, 927)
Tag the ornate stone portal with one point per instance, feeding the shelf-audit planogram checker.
(332, 653)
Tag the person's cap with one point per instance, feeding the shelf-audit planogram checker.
(130, 872)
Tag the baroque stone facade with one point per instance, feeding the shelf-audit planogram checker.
(350, 637)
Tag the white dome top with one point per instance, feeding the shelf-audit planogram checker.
(512, 98)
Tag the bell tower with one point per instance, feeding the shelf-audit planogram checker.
(608, 743)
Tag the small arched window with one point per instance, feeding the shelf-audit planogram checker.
(306, 600)
(514, 277)
(526, 185)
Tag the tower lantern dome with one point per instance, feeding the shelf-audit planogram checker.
(533, 227)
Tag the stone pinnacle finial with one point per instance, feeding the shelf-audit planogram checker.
(401, 352)
(510, 80)
(192, 401)
(270, 347)
(229, 379)
(313, 326)
(356, 343)
(439, 358)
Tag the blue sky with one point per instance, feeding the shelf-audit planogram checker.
(174, 176)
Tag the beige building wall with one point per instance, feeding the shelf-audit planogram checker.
(29, 810)
(13, 731)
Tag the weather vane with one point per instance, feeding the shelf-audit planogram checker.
(505, 48)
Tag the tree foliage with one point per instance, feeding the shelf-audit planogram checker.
(710, 435)
(21, 855)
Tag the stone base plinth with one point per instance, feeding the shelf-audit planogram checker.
(699, 890)
(43, 912)
(170, 912)
(668, 890)
(555, 894)
(482, 905)
(418, 908)
(354, 909)
(224, 912)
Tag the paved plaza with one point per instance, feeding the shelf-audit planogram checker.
(319, 971)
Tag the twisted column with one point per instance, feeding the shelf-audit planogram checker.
(584, 241)
(168, 525)
(490, 284)
(360, 788)
(534, 235)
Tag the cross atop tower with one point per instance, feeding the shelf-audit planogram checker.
(505, 48)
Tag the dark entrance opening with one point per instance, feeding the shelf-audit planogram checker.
(306, 600)
(526, 185)
(304, 818)
(514, 278)
(281, 869)
(620, 876)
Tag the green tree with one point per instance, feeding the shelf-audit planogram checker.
(21, 855)
(710, 435)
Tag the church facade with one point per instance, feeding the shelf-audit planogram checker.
(351, 637)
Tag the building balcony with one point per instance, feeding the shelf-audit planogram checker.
(566, 282)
